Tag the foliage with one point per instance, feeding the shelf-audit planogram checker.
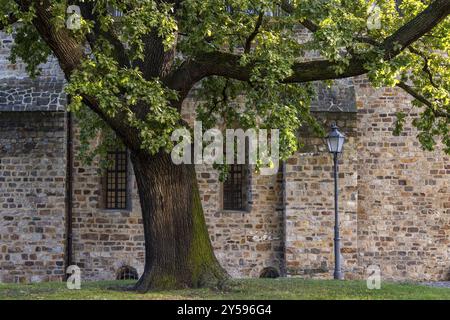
(119, 90)
(115, 75)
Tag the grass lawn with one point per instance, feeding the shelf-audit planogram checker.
(283, 288)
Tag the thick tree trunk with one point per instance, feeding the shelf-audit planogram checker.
(178, 251)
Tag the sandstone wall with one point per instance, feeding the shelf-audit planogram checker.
(310, 207)
(245, 241)
(32, 190)
(104, 239)
(394, 197)
(403, 191)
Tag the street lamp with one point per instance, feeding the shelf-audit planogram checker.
(335, 141)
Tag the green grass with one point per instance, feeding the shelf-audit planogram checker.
(284, 288)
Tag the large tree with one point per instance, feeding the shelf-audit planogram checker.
(130, 76)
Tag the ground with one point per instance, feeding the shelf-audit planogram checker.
(238, 289)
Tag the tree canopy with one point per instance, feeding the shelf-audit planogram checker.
(135, 70)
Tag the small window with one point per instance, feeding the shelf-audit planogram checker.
(115, 12)
(116, 193)
(235, 188)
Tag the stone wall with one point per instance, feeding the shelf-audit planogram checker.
(103, 239)
(394, 197)
(32, 190)
(310, 207)
(403, 191)
(18, 92)
(245, 241)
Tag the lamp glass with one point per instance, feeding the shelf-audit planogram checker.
(335, 140)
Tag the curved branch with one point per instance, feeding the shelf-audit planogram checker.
(416, 28)
(248, 43)
(228, 65)
(410, 90)
(286, 6)
(426, 66)
(69, 53)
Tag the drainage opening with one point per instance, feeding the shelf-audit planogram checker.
(127, 273)
(269, 272)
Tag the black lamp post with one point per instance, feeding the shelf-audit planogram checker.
(335, 141)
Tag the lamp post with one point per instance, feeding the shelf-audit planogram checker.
(335, 141)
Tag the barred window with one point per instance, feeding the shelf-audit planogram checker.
(116, 13)
(117, 180)
(235, 188)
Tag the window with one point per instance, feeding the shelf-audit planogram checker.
(235, 188)
(116, 13)
(116, 193)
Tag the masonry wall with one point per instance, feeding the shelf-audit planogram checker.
(394, 197)
(18, 92)
(245, 242)
(32, 190)
(310, 207)
(403, 192)
(103, 239)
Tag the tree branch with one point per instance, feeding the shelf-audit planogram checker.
(410, 90)
(88, 13)
(69, 53)
(289, 8)
(426, 67)
(416, 28)
(228, 65)
(248, 43)
(9, 21)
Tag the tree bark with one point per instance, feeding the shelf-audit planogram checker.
(178, 251)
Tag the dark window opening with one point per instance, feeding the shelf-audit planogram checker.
(116, 193)
(235, 188)
(127, 273)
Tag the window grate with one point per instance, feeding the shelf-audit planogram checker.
(234, 188)
(117, 180)
(116, 13)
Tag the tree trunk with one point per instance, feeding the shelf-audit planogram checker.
(178, 251)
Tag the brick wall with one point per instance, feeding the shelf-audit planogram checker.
(245, 241)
